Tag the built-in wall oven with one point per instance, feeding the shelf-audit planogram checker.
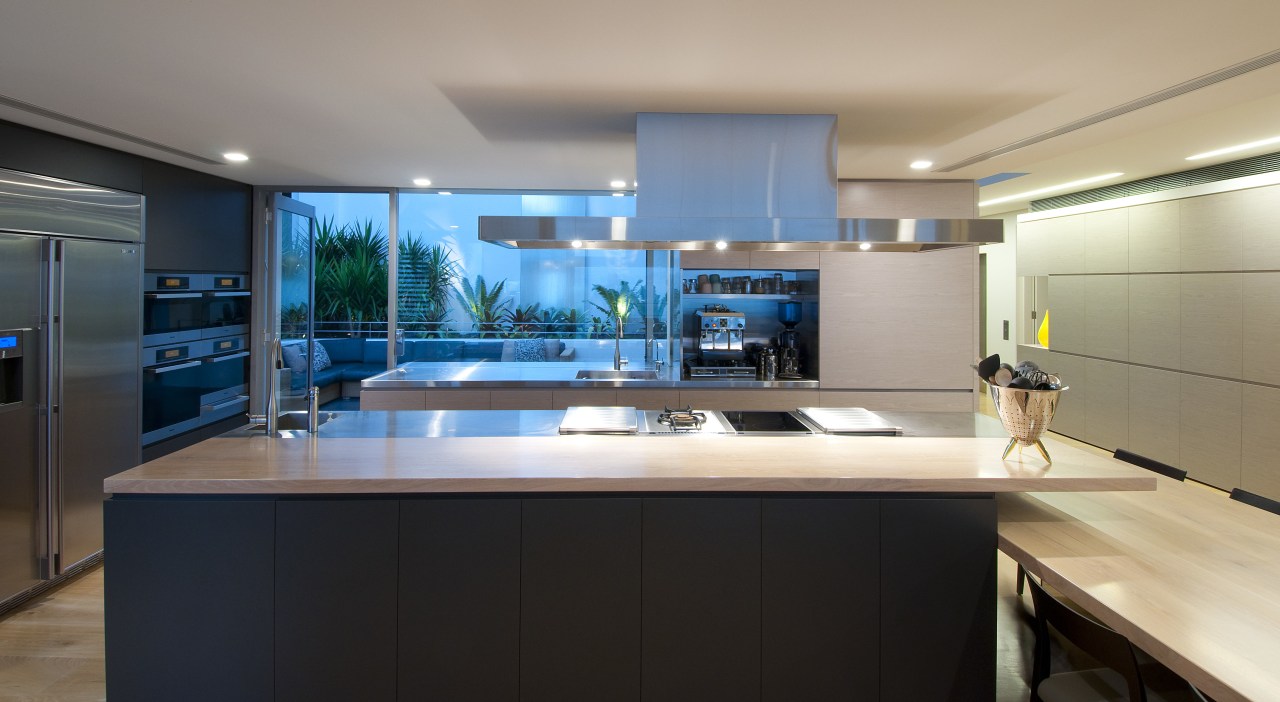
(195, 356)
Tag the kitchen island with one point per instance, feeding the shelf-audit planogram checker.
(566, 567)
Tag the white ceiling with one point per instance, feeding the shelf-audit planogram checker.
(502, 94)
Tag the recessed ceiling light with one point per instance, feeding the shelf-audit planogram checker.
(422, 182)
(1233, 149)
(722, 245)
(236, 156)
(444, 192)
(1050, 189)
(864, 246)
(617, 183)
(921, 165)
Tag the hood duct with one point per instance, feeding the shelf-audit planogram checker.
(728, 181)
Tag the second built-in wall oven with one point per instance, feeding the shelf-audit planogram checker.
(195, 355)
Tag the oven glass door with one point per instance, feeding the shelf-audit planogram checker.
(225, 377)
(169, 315)
(226, 312)
(171, 396)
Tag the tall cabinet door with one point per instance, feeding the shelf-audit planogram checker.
(20, 550)
(99, 288)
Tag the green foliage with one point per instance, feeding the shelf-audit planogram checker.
(426, 278)
(484, 307)
(351, 273)
(619, 303)
(524, 321)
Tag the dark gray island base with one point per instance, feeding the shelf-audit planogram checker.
(659, 597)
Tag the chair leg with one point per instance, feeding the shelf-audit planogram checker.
(1022, 578)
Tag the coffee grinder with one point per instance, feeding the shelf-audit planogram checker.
(788, 340)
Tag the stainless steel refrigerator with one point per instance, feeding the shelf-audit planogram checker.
(70, 349)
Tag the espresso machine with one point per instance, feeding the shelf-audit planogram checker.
(720, 349)
(789, 314)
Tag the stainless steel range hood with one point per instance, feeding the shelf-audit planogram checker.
(737, 182)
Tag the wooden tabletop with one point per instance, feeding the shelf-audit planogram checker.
(244, 465)
(1188, 575)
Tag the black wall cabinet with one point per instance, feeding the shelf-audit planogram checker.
(33, 151)
(196, 221)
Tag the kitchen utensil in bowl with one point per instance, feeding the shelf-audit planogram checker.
(1026, 415)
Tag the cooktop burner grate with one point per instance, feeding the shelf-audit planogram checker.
(682, 419)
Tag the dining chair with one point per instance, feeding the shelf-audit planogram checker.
(1142, 462)
(1253, 498)
(1150, 464)
(1122, 677)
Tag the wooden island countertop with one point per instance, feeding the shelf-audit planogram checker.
(517, 464)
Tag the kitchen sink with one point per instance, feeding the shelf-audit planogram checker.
(617, 375)
(297, 421)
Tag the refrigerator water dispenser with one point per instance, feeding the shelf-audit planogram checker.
(11, 367)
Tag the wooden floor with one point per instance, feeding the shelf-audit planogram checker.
(52, 648)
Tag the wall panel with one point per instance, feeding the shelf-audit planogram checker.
(1209, 438)
(1106, 316)
(1212, 324)
(1155, 320)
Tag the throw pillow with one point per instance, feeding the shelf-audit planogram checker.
(321, 361)
(294, 357)
(530, 350)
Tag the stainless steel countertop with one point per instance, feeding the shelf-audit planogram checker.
(495, 374)
(481, 423)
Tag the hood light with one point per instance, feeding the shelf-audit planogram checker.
(722, 245)
(576, 243)
(444, 192)
(864, 246)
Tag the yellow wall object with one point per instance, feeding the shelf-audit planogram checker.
(1043, 335)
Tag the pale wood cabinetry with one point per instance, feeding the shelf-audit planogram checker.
(1155, 320)
(1165, 323)
(1106, 316)
(1106, 411)
(1212, 324)
(1154, 411)
(894, 321)
(1260, 228)
(1106, 241)
(1066, 313)
(1261, 327)
(1153, 238)
(1259, 450)
(1210, 232)
(1209, 440)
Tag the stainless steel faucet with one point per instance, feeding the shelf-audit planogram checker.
(270, 420)
(313, 409)
(617, 345)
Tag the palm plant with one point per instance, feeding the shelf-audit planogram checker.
(427, 275)
(350, 273)
(483, 306)
(618, 303)
(524, 321)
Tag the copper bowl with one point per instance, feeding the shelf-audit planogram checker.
(1026, 415)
